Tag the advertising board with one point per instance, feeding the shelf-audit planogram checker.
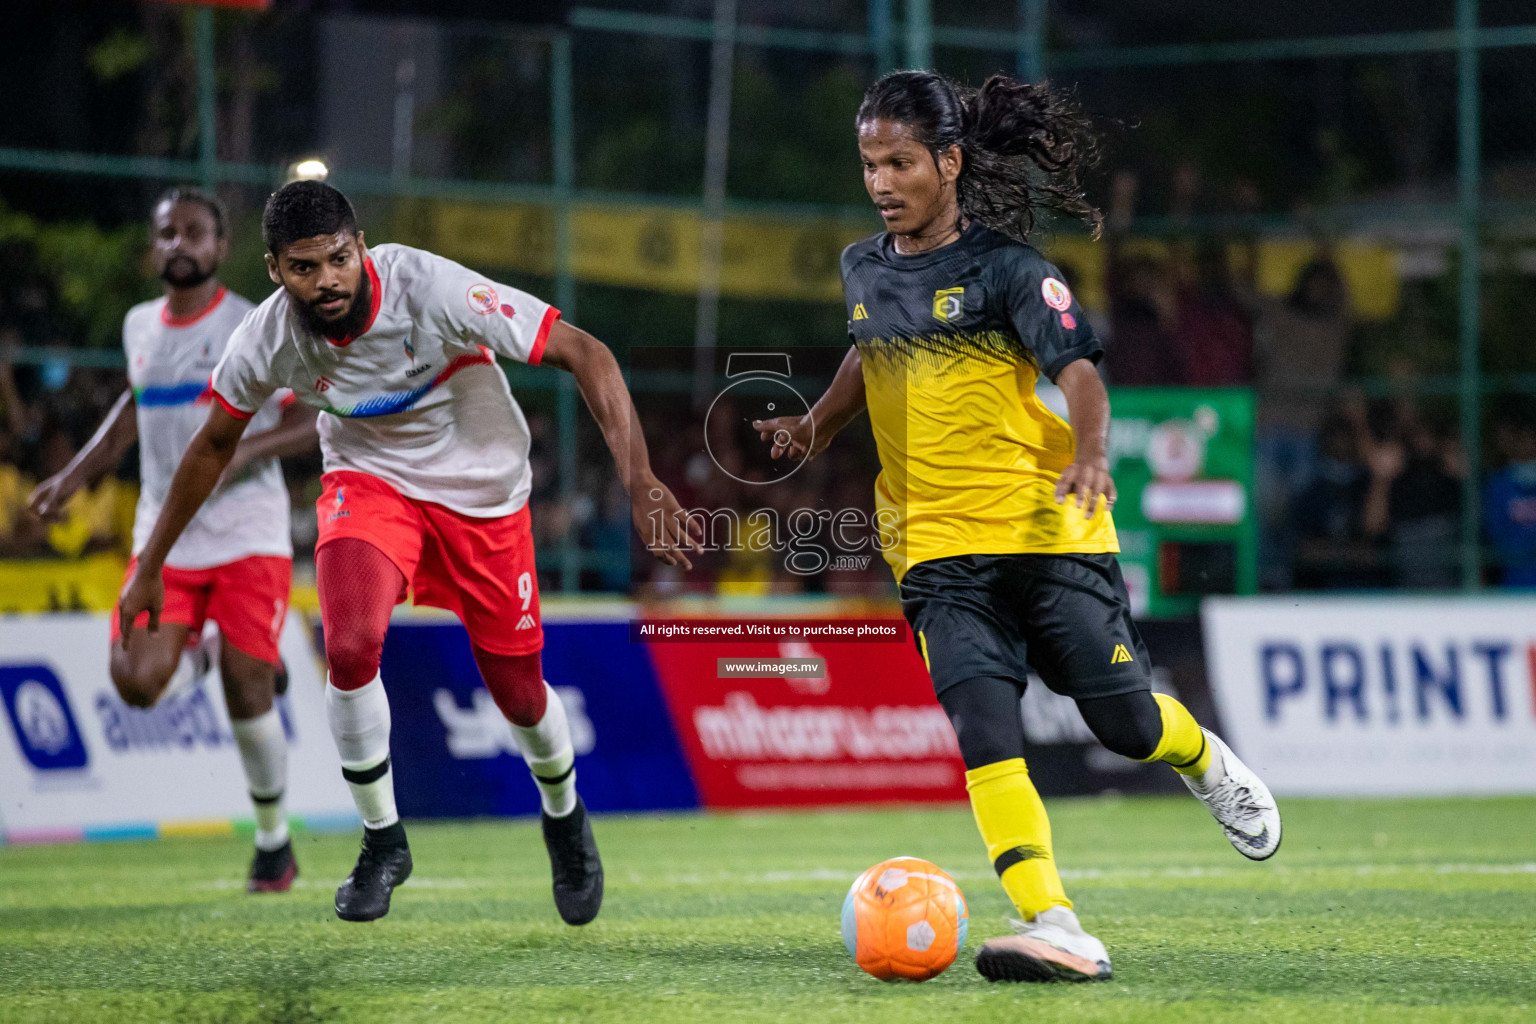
(1379, 695)
(76, 762)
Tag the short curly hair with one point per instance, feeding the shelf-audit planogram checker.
(304, 209)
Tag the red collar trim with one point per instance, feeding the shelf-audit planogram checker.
(373, 306)
(188, 321)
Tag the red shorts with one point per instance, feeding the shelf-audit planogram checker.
(482, 570)
(247, 598)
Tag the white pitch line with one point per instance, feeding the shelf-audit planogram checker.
(1096, 874)
(839, 875)
(311, 883)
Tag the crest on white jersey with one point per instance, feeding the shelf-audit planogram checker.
(482, 298)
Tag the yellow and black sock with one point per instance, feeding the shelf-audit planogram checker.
(1183, 745)
(1017, 833)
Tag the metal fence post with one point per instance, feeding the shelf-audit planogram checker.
(562, 130)
(207, 100)
(1469, 201)
(919, 33)
(717, 146)
(882, 36)
(1031, 55)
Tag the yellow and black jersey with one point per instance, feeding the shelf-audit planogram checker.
(952, 342)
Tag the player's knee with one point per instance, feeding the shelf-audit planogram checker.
(1137, 746)
(1128, 724)
(516, 682)
(137, 692)
(352, 656)
(138, 683)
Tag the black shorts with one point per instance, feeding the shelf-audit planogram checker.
(1068, 617)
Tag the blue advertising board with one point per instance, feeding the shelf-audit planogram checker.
(40, 715)
(455, 756)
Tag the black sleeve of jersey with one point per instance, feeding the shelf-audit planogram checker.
(851, 256)
(1050, 321)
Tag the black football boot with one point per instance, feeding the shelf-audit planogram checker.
(384, 863)
(575, 865)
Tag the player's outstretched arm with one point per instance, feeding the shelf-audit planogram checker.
(101, 453)
(805, 437)
(1087, 481)
(667, 533)
(294, 434)
(200, 469)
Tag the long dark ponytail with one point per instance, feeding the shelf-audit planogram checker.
(1025, 148)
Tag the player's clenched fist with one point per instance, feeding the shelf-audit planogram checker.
(144, 592)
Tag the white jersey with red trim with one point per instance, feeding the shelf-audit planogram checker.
(169, 362)
(416, 398)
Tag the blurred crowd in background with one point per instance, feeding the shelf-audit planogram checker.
(1211, 169)
(1355, 490)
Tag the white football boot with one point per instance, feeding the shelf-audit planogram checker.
(1052, 947)
(1239, 801)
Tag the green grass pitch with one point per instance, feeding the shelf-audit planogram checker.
(1388, 911)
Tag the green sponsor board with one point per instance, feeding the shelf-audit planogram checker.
(1182, 460)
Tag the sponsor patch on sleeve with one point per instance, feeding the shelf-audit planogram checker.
(1056, 294)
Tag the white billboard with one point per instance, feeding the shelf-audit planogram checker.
(76, 762)
(1378, 695)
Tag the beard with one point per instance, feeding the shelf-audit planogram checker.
(185, 272)
(349, 324)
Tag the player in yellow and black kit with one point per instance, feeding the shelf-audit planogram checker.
(1005, 547)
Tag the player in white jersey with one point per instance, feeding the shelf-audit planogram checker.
(426, 488)
(233, 563)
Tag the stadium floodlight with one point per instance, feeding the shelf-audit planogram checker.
(308, 169)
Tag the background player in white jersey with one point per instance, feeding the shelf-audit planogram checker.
(233, 563)
(426, 487)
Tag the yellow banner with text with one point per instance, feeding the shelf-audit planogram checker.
(660, 249)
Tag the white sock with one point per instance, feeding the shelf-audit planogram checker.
(264, 752)
(547, 751)
(192, 666)
(360, 725)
